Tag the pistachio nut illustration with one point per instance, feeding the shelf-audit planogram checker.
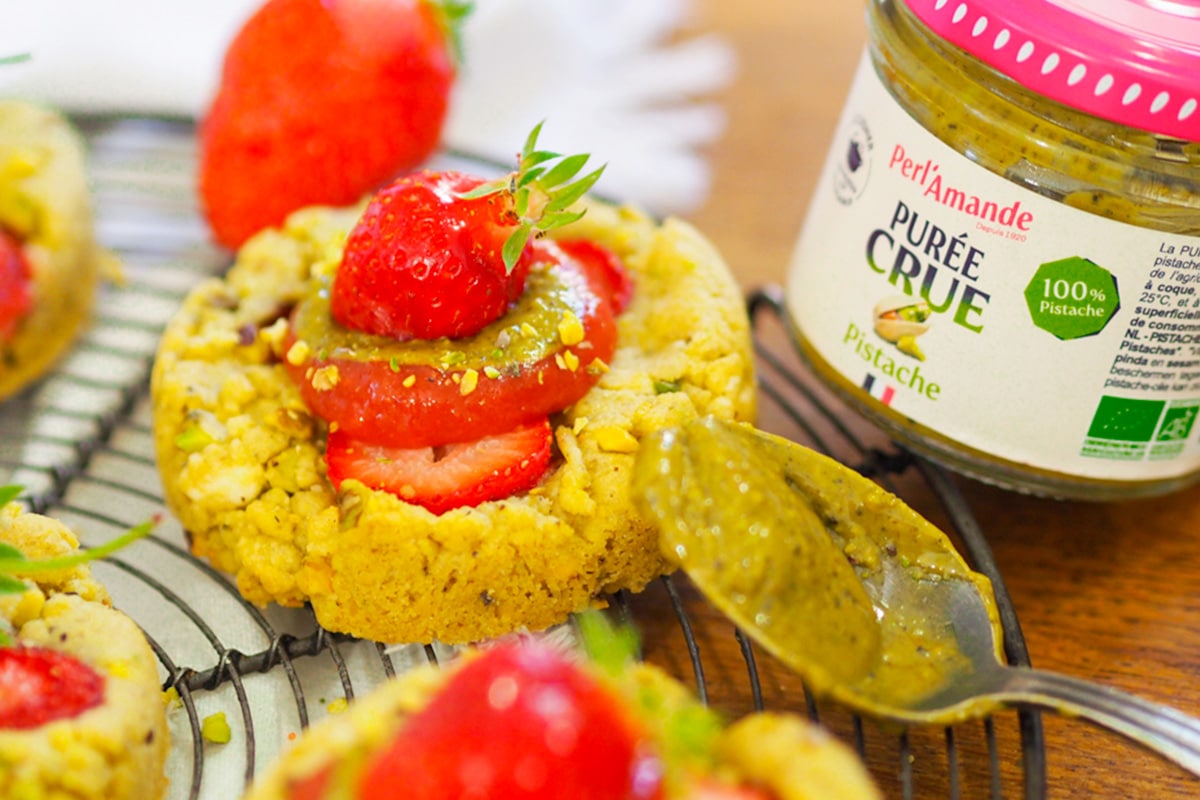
(900, 319)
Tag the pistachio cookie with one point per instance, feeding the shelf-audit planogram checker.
(429, 444)
(82, 712)
(49, 261)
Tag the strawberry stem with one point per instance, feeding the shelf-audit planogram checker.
(13, 562)
(451, 14)
(10, 564)
(541, 192)
(610, 647)
(685, 730)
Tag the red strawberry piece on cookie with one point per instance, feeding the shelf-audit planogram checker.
(16, 294)
(401, 402)
(710, 789)
(445, 477)
(38, 685)
(605, 271)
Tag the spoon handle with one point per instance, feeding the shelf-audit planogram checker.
(1165, 730)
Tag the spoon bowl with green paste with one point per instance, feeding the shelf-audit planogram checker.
(843, 582)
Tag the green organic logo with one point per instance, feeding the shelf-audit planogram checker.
(1177, 424)
(1132, 429)
(1126, 419)
(1072, 297)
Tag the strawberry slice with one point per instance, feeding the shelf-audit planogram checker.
(606, 273)
(709, 789)
(39, 686)
(16, 296)
(311, 787)
(448, 476)
(402, 402)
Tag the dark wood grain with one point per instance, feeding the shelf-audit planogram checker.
(1109, 592)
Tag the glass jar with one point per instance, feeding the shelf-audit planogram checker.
(1001, 262)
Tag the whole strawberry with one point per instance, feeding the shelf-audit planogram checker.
(442, 254)
(520, 721)
(424, 263)
(322, 101)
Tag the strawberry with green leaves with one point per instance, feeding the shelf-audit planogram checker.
(544, 728)
(442, 254)
(524, 720)
(322, 101)
(453, 330)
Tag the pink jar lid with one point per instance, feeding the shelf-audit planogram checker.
(1134, 62)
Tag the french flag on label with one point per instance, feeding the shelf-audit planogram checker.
(878, 389)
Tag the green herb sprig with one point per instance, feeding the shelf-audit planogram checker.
(542, 187)
(13, 562)
(686, 730)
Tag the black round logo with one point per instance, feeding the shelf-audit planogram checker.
(852, 167)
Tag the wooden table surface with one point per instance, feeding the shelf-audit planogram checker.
(1109, 592)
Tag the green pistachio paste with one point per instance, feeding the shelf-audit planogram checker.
(527, 333)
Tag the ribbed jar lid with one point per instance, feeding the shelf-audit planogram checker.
(1134, 62)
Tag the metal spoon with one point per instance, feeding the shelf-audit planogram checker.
(847, 585)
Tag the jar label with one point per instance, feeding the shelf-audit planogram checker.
(1002, 319)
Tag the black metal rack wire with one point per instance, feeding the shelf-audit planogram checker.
(80, 443)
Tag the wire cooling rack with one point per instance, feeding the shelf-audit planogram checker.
(80, 444)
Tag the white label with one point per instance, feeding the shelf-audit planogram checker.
(1055, 338)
